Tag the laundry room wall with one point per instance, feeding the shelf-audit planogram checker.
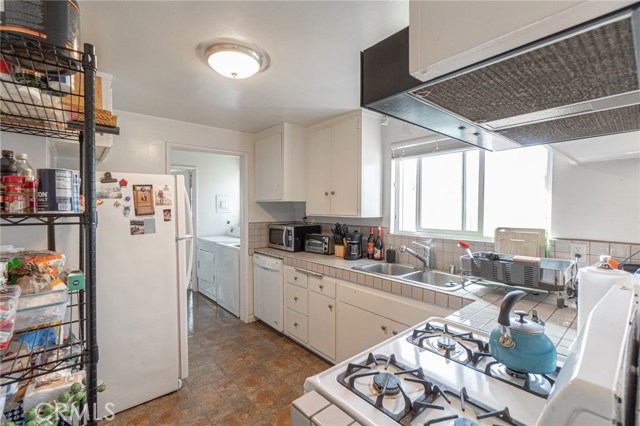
(216, 176)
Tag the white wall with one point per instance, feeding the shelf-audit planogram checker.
(599, 201)
(215, 174)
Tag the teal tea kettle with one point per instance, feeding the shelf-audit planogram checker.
(519, 344)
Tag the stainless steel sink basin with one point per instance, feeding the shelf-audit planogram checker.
(435, 278)
(390, 269)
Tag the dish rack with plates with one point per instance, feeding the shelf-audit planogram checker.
(529, 273)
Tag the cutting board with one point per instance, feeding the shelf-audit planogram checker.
(521, 241)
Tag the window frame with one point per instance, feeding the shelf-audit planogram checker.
(477, 235)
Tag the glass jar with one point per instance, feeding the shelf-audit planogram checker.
(15, 200)
(8, 164)
(24, 168)
(31, 191)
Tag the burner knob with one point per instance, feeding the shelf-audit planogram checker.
(521, 314)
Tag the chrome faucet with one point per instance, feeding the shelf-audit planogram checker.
(426, 259)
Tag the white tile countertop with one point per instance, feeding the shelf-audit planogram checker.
(476, 305)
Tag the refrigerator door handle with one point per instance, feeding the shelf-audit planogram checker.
(185, 238)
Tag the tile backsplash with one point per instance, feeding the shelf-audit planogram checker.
(445, 252)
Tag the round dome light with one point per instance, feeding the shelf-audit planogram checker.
(234, 60)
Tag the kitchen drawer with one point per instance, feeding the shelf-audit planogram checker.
(296, 325)
(325, 286)
(296, 298)
(296, 277)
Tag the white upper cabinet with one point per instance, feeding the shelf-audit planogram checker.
(280, 154)
(344, 167)
(445, 36)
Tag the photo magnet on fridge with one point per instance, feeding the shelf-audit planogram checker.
(166, 215)
(163, 196)
(143, 200)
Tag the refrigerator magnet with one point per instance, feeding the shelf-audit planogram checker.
(107, 178)
(126, 211)
(166, 215)
(123, 183)
(116, 204)
(143, 200)
(163, 197)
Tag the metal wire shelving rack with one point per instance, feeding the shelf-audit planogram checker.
(30, 106)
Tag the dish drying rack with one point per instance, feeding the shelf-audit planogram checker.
(530, 273)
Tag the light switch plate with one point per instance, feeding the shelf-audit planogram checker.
(579, 248)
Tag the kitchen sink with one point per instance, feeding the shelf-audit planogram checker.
(390, 269)
(435, 278)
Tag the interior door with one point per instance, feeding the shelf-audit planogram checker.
(345, 168)
(319, 172)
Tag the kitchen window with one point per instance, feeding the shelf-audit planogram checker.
(468, 193)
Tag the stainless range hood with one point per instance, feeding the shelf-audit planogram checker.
(581, 83)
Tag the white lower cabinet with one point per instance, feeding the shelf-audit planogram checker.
(296, 325)
(358, 330)
(322, 324)
(338, 319)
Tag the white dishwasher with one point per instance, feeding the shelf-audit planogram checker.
(268, 294)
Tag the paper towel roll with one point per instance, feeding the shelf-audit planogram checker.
(593, 284)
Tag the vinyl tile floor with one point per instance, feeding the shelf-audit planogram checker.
(239, 374)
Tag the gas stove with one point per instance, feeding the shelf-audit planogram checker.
(441, 373)
(470, 347)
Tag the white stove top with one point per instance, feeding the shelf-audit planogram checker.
(585, 391)
(495, 394)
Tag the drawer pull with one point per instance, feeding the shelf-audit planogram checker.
(383, 327)
(321, 286)
(295, 278)
(295, 298)
(326, 193)
(295, 324)
(395, 333)
(331, 307)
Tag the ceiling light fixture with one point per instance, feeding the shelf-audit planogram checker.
(235, 59)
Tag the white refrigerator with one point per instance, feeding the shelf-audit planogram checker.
(142, 278)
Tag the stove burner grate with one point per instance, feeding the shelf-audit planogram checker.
(516, 374)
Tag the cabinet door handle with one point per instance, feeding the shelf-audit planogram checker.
(295, 298)
(326, 193)
(383, 327)
(394, 332)
(331, 307)
(321, 286)
(295, 278)
(295, 324)
(333, 192)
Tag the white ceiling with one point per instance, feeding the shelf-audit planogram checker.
(150, 49)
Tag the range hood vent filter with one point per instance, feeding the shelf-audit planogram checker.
(548, 77)
(581, 83)
(599, 123)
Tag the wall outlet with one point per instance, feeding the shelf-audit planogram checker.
(579, 248)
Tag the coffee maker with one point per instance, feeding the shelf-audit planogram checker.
(354, 246)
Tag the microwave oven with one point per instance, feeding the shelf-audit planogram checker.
(290, 236)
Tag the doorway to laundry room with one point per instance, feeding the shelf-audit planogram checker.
(214, 183)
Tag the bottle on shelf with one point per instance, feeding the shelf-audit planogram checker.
(371, 242)
(8, 164)
(378, 250)
(24, 168)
